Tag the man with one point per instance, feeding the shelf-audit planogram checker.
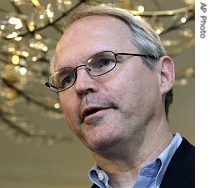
(114, 82)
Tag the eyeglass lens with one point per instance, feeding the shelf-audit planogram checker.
(97, 65)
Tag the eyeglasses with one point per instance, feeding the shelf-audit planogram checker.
(97, 65)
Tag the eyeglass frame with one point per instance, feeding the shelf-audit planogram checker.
(47, 84)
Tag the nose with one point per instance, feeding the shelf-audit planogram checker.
(84, 83)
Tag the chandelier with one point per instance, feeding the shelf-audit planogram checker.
(29, 31)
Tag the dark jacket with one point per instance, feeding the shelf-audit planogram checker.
(180, 172)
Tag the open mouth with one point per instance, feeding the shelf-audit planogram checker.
(87, 112)
(91, 111)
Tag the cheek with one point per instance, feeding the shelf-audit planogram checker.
(137, 88)
(69, 107)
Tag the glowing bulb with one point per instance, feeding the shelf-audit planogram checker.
(141, 9)
(12, 35)
(57, 105)
(183, 20)
(15, 59)
(23, 71)
(15, 21)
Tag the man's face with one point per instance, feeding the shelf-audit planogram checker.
(114, 108)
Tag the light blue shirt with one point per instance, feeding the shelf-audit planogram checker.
(150, 176)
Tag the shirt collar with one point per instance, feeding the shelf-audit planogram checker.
(98, 177)
(166, 156)
(159, 166)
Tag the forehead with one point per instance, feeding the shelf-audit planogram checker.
(93, 34)
(96, 26)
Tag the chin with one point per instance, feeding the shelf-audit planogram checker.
(102, 145)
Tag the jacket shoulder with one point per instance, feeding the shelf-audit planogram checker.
(181, 169)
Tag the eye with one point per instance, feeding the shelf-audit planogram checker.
(101, 63)
(100, 66)
(104, 63)
(66, 81)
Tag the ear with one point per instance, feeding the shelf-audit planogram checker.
(167, 76)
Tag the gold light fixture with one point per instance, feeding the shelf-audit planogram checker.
(29, 30)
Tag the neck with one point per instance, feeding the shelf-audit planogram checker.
(124, 163)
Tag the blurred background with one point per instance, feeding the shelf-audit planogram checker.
(37, 149)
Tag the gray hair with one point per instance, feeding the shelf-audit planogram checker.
(143, 36)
